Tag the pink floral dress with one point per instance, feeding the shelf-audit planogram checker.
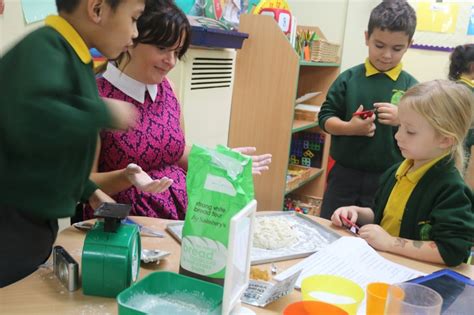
(156, 144)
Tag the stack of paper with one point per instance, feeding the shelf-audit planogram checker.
(308, 107)
(323, 51)
(307, 97)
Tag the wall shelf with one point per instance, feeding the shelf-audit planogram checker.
(318, 64)
(300, 125)
(269, 76)
(314, 173)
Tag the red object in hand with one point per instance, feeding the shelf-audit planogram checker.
(354, 228)
(365, 113)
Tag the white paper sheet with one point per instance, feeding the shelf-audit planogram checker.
(307, 96)
(354, 259)
(308, 107)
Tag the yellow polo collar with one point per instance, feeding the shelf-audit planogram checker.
(71, 36)
(392, 73)
(467, 81)
(415, 176)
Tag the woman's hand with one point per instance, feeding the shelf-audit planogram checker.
(259, 162)
(376, 236)
(387, 114)
(144, 182)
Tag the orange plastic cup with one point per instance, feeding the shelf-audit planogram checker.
(313, 308)
(376, 297)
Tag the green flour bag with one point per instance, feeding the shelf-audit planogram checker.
(219, 184)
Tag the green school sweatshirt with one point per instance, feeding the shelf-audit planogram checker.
(50, 116)
(351, 89)
(440, 209)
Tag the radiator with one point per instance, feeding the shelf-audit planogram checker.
(203, 81)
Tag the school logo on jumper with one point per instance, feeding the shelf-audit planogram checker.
(425, 230)
(396, 96)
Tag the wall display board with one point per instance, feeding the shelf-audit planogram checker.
(35, 10)
(443, 25)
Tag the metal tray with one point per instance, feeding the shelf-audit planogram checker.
(312, 236)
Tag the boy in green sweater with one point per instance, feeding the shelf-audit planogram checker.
(423, 208)
(364, 147)
(50, 116)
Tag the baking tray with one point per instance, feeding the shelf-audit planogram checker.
(312, 236)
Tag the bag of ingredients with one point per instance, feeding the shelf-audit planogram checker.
(219, 184)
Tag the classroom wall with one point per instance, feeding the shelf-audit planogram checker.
(342, 21)
(13, 26)
(424, 65)
(354, 50)
(328, 15)
(345, 21)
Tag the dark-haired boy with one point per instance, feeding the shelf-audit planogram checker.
(50, 116)
(364, 147)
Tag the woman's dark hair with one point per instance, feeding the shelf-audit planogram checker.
(69, 6)
(393, 16)
(461, 58)
(163, 24)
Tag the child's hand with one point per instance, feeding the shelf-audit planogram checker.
(259, 162)
(349, 212)
(124, 115)
(99, 197)
(144, 182)
(361, 126)
(387, 114)
(376, 236)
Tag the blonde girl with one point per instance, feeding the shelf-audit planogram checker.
(423, 208)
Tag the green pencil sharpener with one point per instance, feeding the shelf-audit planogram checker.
(111, 253)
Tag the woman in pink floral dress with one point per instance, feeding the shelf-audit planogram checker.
(156, 187)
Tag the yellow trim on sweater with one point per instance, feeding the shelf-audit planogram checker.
(467, 81)
(392, 73)
(406, 183)
(64, 28)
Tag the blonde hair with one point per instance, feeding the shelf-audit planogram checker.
(448, 108)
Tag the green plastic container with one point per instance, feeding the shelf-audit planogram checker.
(165, 292)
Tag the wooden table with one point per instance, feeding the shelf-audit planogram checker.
(42, 293)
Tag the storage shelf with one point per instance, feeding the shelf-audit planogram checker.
(318, 64)
(314, 173)
(300, 125)
(272, 101)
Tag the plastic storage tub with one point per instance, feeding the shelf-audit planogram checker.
(208, 32)
(164, 292)
(213, 37)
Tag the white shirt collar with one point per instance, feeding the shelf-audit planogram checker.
(133, 88)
